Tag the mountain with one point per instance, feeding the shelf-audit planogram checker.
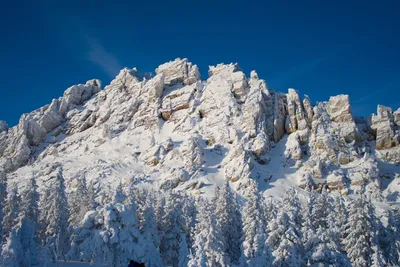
(173, 130)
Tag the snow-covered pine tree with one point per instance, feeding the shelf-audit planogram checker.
(393, 230)
(183, 252)
(150, 233)
(92, 194)
(79, 202)
(237, 247)
(106, 194)
(308, 227)
(340, 216)
(360, 243)
(189, 213)
(29, 222)
(208, 245)
(321, 210)
(3, 197)
(199, 259)
(285, 237)
(11, 255)
(269, 210)
(228, 222)
(254, 247)
(140, 197)
(173, 226)
(373, 190)
(159, 209)
(378, 234)
(54, 217)
(324, 251)
(109, 234)
(11, 210)
(323, 245)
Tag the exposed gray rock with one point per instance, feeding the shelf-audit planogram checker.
(51, 119)
(296, 119)
(77, 94)
(336, 180)
(340, 109)
(177, 100)
(3, 126)
(260, 144)
(396, 117)
(383, 126)
(279, 116)
(179, 71)
(309, 112)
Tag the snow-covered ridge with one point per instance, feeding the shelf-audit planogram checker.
(176, 131)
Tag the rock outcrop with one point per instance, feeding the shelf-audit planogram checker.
(3, 126)
(33, 128)
(383, 126)
(179, 71)
(296, 119)
(174, 131)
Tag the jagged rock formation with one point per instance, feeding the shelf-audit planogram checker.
(175, 131)
(16, 144)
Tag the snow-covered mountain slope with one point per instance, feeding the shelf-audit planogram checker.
(176, 131)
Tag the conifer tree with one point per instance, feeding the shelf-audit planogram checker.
(11, 255)
(54, 217)
(254, 248)
(183, 252)
(79, 201)
(29, 222)
(228, 222)
(173, 228)
(207, 246)
(340, 216)
(150, 234)
(393, 242)
(109, 234)
(11, 210)
(285, 233)
(361, 243)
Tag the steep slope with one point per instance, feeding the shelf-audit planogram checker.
(176, 131)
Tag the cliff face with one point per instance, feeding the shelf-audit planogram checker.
(177, 131)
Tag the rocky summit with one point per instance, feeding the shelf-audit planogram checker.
(176, 131)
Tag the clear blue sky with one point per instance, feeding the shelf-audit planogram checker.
(321, 48)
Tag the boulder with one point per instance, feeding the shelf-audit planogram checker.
(177, 100)
(157, 153)
(336, 180)
(227, 68)
(260, 145)
(296, 119)
(32, 130)
(364, 172)
(383, 126)
(179, 71)
(339, 108)
(173, 178)
(293, 147)
(51, 119)
(239, 84)
(77, 94)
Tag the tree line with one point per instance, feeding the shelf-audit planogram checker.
(173, 228)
